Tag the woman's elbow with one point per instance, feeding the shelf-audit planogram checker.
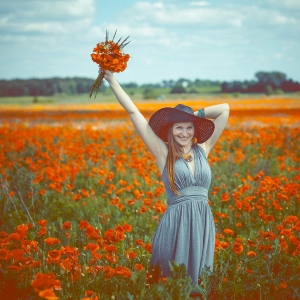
(225, 107)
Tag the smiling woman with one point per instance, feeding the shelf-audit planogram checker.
(180, 141)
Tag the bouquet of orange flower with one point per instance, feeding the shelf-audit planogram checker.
(109, 56)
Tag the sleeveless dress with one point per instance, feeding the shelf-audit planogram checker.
(186, 232)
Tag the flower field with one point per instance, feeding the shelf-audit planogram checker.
(81, 197)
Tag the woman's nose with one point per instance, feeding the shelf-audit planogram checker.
(185, 132)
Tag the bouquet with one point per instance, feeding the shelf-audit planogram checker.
(109, 56)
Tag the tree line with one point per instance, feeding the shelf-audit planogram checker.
(45, 87)
(265, 82)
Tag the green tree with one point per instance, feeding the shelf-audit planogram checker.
(275, 79)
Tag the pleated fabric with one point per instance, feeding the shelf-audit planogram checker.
(186, 232)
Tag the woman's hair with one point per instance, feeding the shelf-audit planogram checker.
(174, 153)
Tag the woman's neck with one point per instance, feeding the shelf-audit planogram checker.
(186, 149)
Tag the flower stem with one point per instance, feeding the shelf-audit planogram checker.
(95, 86)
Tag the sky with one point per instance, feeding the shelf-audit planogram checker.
(218, 40)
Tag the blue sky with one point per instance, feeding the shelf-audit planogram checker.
(217, 40)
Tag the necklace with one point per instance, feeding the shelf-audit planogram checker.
(188, 157)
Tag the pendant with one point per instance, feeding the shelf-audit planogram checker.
(188, 157)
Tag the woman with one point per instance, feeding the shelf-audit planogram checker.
(180, 141)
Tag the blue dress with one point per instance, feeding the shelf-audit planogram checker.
(186, 232)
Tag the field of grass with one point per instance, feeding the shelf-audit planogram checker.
(81, 197)
(204, 93)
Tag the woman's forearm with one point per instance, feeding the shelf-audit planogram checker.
(120, 94)
(212, 112)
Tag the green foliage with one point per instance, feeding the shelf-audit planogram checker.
(45, 87)
(149, 93)
(178, 89)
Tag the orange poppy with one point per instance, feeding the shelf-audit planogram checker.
(139, 267)
(48, 294)
(51, 241)
(237, 248)
(66, 226)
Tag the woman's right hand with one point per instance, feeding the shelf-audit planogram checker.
(108, 75)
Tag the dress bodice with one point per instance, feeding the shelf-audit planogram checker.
(184, 177)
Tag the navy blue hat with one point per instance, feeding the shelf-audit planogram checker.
(162, 119)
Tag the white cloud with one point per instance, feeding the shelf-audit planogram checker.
(171, 14)
(199, 3)
(47, 16)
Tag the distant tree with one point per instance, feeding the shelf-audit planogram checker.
(269, 90)
(275, 79)
(149, 93)
(178, 89)
(183, 82)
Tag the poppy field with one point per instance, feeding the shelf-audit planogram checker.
(81, 197)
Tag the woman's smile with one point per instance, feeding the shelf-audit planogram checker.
(183, 133)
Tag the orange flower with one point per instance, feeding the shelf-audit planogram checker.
(109, 233)
(54, 255)
(43, 192)
(93, 247)
(90, 295)
(127, 227)
(51, 241)
(42, 222)
(225, 197)
(268, 235)
(108, 248)
(139, 242)
(66, 226)
(22, 230)
(108, 272)
(251, 254)
(42, 231)
(48, 294)
(109, 56)
(112, 259)
(237, 248)
(45, 281)
(131, 254)
(286, 232)
(148, 247)
(119, 236)
(283, 285)
(139, 267)
(83, 224)
(228, 231)
(119, 228)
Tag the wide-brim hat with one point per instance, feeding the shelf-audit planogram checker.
(162, 119)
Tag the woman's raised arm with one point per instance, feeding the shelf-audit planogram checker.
(219, 113)
(152, 141)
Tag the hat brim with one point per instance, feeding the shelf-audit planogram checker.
(162, 119)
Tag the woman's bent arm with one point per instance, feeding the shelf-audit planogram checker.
(220, 114)
(152, 141)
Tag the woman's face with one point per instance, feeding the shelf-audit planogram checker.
(183, 133)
